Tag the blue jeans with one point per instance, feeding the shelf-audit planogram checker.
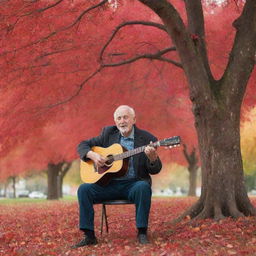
(137, 191)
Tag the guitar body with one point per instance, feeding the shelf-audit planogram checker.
(90, 174)
(114, 167)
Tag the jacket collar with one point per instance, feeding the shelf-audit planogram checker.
(138, 139)
(115, 136)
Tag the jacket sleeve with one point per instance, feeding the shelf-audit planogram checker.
(85, 146)
(155, 167)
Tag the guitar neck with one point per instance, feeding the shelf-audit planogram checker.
(132, 152)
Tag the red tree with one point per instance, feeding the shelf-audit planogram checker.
(59, 60)
(48, 132)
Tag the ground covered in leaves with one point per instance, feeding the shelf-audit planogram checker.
(50, 228)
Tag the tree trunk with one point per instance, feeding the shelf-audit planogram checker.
(52, 180)
(13, 178)
(223, 188)
(216, 104)
(55, 176)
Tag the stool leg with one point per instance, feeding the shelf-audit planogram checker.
(106, 217)
(102, 219)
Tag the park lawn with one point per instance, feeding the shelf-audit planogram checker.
(10, 201)
(51, 227)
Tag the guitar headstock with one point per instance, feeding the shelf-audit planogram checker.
(170, 142)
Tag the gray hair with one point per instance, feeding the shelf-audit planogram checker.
(130, 109)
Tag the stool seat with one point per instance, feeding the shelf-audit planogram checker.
(119, 201)
(104, 210)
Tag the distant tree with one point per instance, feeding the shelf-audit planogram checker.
(192, 169)
(12, 179)
(55, 176)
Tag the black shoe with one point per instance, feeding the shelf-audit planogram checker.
(84, 242)
(143, 239)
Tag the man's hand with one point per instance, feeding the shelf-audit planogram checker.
(151, 153)
(96, 158)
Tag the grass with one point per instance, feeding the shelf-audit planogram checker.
(9, 201)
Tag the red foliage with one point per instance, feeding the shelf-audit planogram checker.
(50, 228)
(43, 63)
(47, 72)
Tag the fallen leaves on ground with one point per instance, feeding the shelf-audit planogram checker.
(50, 228)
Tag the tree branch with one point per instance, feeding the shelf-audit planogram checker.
(65, 169)
(156, 56)
(196, 29)
(54, 52)
(178, 64)
(80, 87)
(58, 30)
(102, 66)
(195, 16)
(83, 13)
(43, 9)
(192, 61)
(242, 57)
(128, 23)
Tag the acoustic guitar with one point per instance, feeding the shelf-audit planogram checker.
(116, 164)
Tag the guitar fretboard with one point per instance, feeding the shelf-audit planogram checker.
(132, 152)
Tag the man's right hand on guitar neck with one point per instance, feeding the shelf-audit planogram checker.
(98, 159)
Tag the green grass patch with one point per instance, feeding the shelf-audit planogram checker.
(8, 201)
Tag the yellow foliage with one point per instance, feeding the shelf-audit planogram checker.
(248, 142)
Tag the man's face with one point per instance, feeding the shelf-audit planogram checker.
(124, 121)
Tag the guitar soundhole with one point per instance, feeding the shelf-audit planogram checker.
(110, 160)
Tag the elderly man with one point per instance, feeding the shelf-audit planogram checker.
(135, 185)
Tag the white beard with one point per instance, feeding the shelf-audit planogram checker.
(123, 130)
